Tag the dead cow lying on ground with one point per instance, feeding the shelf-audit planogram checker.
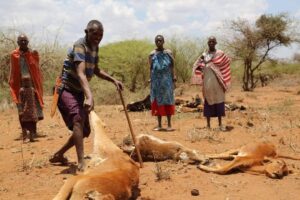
(155, 149)
(110, 175)
(138, 106)
(255, 158)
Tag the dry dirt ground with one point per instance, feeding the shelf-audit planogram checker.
(272, 113)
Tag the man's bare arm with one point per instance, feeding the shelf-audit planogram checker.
(106, 76)
(89, 102)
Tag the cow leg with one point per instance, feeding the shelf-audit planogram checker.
(236, 163)
(231, 154)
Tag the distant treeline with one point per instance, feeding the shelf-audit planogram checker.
(125, 60)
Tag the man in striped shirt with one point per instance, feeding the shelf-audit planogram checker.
(75, 96)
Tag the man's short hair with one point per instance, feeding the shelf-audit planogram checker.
(160, 37)
(22, 35)
(92, 23)
(212, 38)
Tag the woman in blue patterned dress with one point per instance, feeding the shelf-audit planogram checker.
(162, 83)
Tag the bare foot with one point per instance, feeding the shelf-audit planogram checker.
(81, 166)
(31, 137)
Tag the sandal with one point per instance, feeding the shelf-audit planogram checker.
(158, 129)
(58, 159)
(222, 128)
(170, 129)
(39, 135)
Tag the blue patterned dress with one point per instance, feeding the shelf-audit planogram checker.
(162, 83)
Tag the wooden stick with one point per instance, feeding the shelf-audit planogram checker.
(131, 131)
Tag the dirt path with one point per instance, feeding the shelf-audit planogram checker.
(272, 113)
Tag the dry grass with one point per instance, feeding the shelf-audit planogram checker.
(33, 163)
(160, 173)
(5, 104)
(196, 135)
(281, 107)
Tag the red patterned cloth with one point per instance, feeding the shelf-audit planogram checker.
(221, 68)
(28, 112)
(162, 110)
(32, 60)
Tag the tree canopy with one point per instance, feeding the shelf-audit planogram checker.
(253, 42)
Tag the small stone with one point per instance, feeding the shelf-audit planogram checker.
(250, 124)
(144, 183)
(242, 108)
(195, 192)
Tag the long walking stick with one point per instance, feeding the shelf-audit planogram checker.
(131, 131)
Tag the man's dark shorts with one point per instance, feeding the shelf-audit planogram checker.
(70, 105)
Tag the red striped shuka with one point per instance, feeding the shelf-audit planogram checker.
(221, 67)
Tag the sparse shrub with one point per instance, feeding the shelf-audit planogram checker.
(282, 107)
(34, 163)
(160, 173)
(196, 135)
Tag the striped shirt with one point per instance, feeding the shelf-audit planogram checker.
(81, 52)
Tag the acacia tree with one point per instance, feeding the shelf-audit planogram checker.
(252, 43)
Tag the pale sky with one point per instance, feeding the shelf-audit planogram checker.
(42, 20)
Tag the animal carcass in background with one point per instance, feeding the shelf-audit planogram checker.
(138, 106)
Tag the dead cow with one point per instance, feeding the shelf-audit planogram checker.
(138, 106)
(155, 149)
(111, 174)
(255, 158)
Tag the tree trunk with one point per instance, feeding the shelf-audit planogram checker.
(246, 76)
(252, 82)
(133, 83)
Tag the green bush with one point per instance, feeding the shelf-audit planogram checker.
(185, 51)
(128, 62)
